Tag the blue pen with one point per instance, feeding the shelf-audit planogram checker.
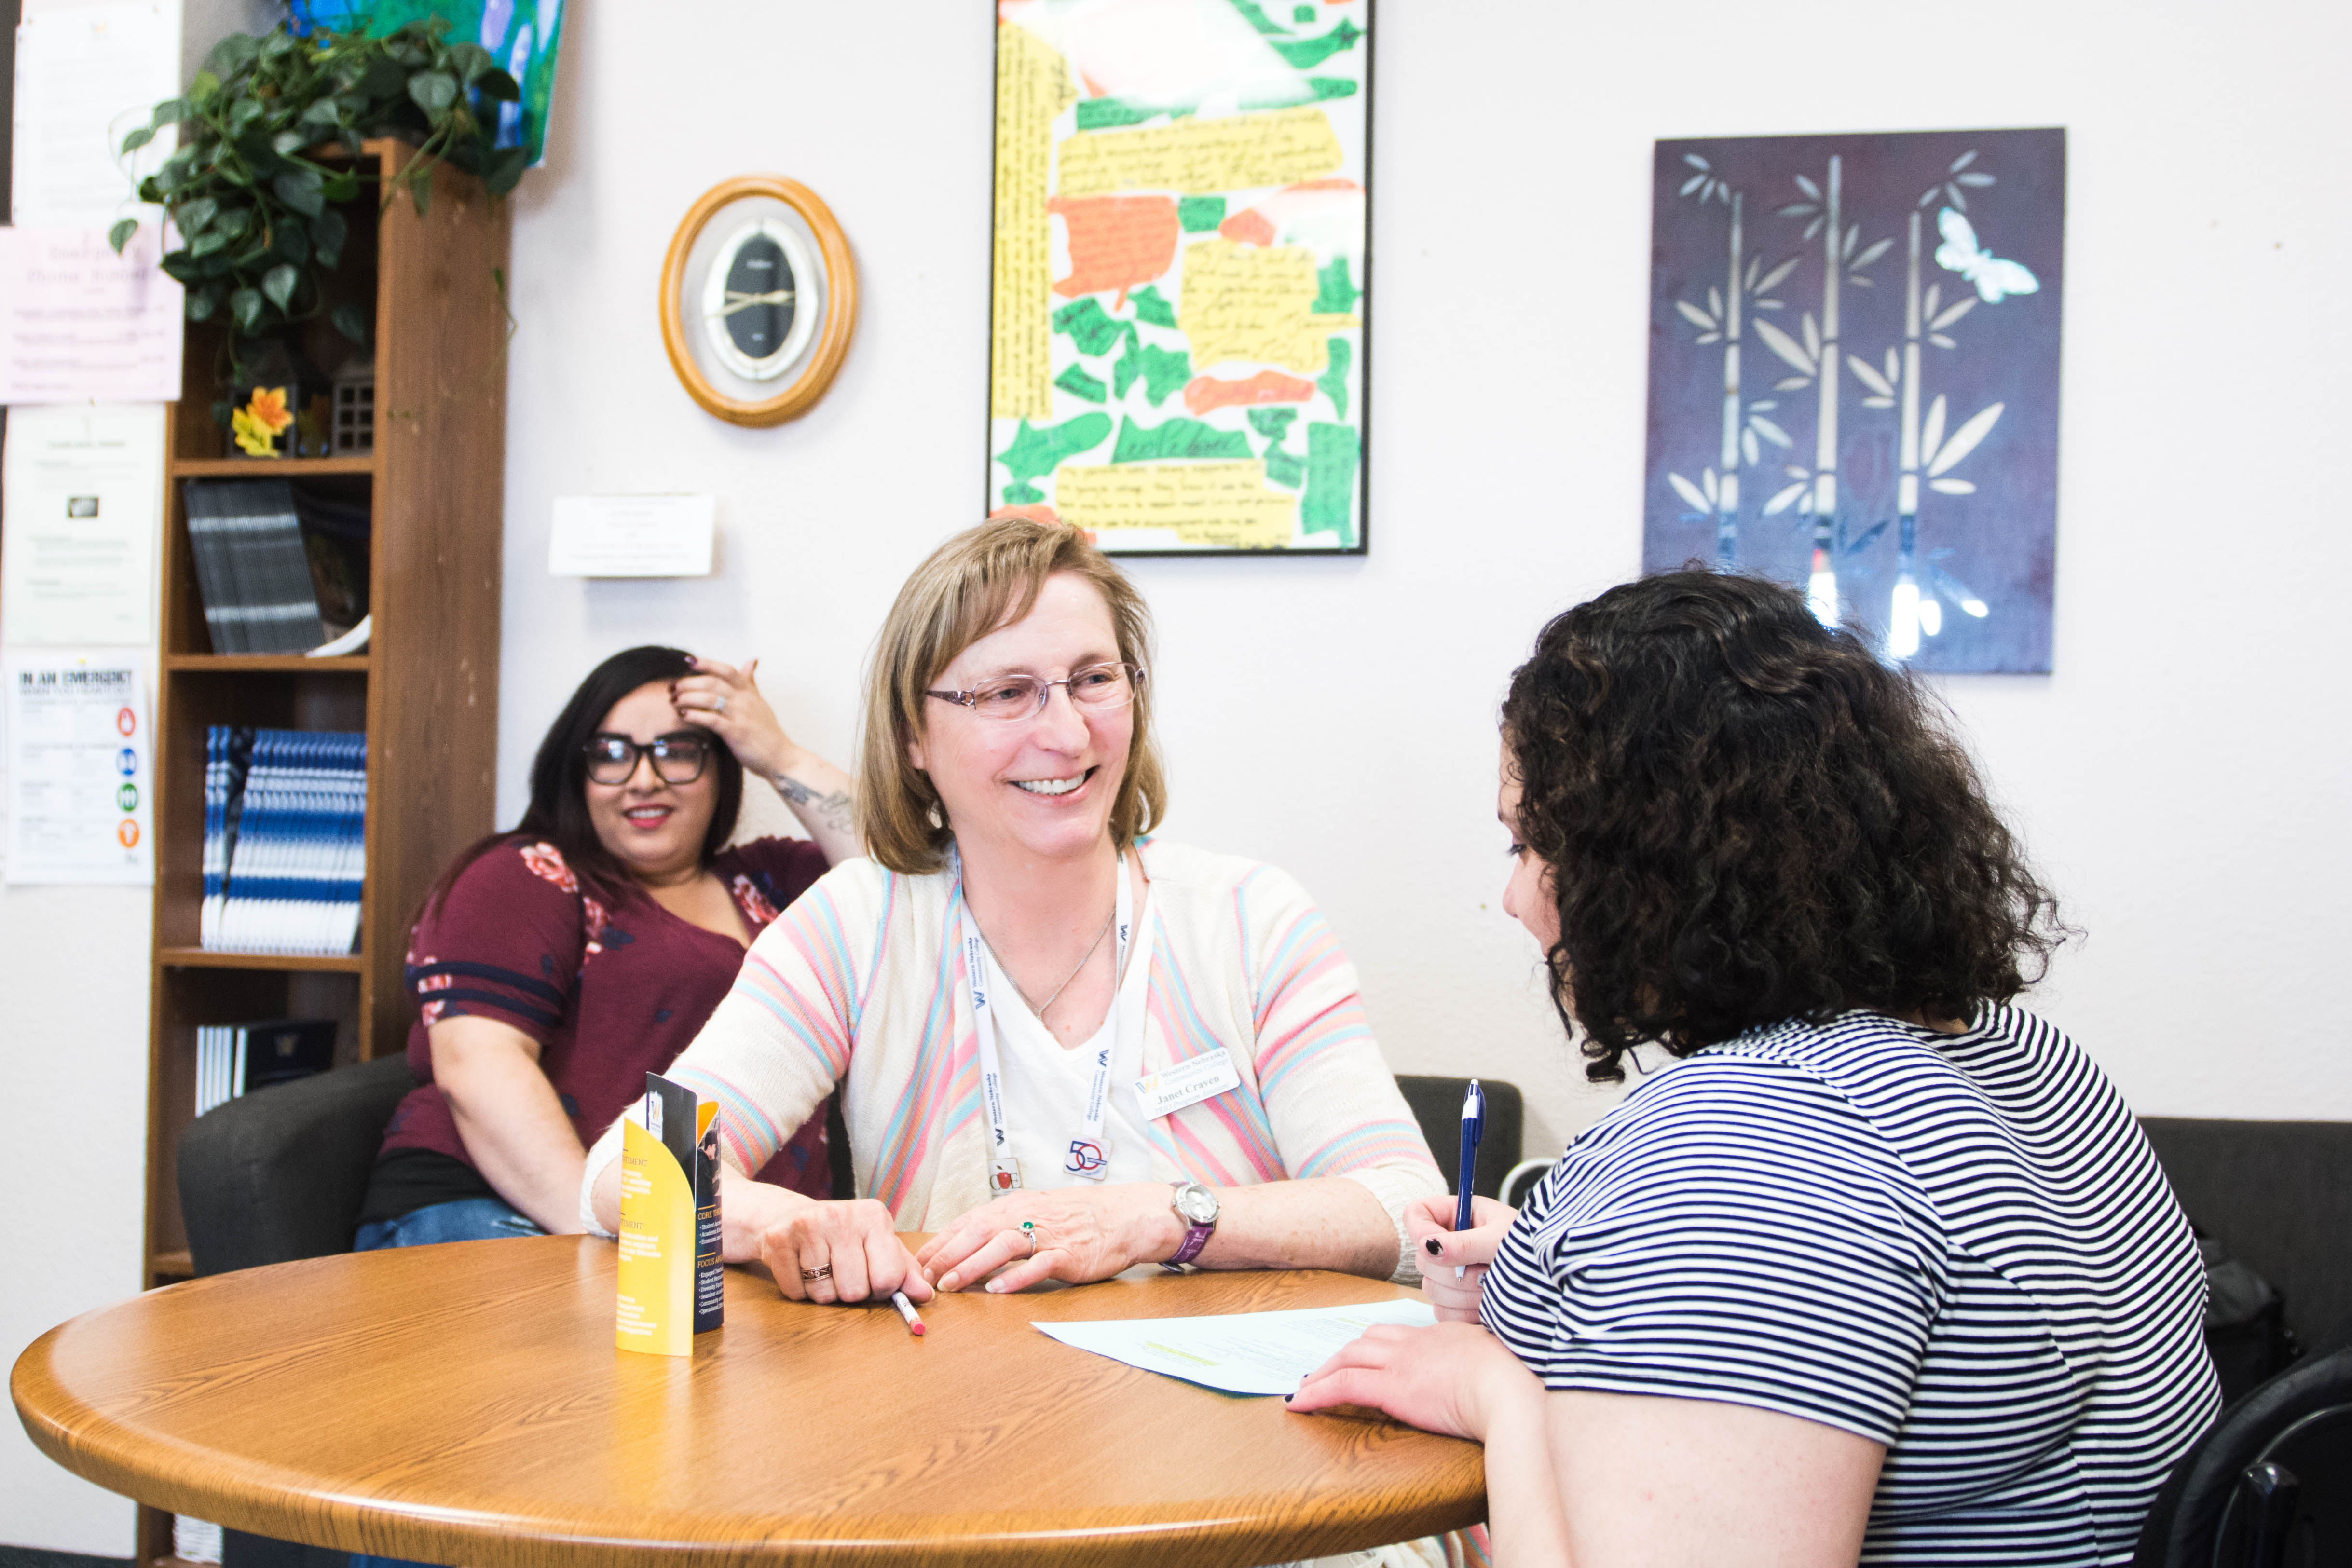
(1473, 1124)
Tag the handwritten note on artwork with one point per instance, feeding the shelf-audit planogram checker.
(1179, 309)
(1249, 302)
(1197, 156)
(1222, 504)
(80, 324)
(1033, 86)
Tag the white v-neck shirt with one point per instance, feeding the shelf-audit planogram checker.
(1045, 1083)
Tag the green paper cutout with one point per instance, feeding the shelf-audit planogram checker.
(1162, 371)
(1108, 113)
(1334, 381)
(1200, 213)
(1328, 506)
(1037, 451)
(1077, 383)
(1092, 329)
(1176, 438)
(1257, 17)
(1286, 468)
(1302, 13)
(1305, 53)
(1273, 423)
(1152, 310)
(1337, 293)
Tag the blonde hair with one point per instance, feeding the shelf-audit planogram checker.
(983, 579)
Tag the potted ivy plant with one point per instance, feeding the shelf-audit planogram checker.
(257, 196)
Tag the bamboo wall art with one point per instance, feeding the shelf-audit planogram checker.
(1854, 379)
(1180, 271)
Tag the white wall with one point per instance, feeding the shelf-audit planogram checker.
(2183, 776)
(1336, 717)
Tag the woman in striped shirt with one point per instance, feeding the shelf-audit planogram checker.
(1062, 1049)
(1880, 1268)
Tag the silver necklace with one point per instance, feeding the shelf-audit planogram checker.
(1065, 986)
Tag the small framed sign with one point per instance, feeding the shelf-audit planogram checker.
(759, 296)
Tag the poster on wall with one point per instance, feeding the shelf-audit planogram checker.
(1854, 379)
(1180, 274)
(521, 35)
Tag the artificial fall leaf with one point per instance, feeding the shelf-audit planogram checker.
(253, 437)
(268, 409)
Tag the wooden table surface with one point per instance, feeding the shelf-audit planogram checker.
(464, 1404)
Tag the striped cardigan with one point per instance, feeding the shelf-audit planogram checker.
(860, 984)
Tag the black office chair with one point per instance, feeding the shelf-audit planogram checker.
(2269, 1485)
(279, 1174)
(1437, 1105)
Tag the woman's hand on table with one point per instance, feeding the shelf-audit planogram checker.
(1454, 1379)
(1081, 1234)
(1429, 1221)
(851, 1247)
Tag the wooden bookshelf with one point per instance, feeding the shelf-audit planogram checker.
(425, 690)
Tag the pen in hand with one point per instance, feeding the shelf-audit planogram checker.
(1474, 1125)
(907, 1311)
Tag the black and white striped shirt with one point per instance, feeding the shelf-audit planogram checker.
(1959, 1246)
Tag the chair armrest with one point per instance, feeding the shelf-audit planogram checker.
(280, 1173)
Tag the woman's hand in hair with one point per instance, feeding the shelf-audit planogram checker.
(727, 701)
(1438, 1247)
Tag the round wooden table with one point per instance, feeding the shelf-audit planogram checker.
(464, 1404)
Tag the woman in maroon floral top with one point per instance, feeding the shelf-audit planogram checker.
(556, 964)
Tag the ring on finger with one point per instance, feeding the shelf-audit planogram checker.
(719, 707)
(824, 1273)
(1029, 1228)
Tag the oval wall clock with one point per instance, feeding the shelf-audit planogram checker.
(759, 296)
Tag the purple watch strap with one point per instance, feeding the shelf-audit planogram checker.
(1195, 1240)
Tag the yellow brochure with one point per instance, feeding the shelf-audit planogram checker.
(671, 1283)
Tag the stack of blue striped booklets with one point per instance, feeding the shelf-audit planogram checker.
(285, 824)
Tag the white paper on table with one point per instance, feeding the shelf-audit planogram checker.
(82, 493)
(80, 324)
(79, 767)
(1240, 1353)
(87, 76)
(632, 536)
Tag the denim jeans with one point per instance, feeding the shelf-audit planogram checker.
(468, 1219)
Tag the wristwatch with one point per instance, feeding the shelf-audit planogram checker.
(1197, 1207)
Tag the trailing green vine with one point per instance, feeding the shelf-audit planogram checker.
(250, 191)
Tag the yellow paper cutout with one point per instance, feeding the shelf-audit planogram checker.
(654, 1311)
(1203, 157)
(1033, 86)
(1254, 303)
(1225, 504)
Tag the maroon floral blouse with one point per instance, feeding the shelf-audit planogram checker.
(610, 994)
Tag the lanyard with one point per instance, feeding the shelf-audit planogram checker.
(1088, 1157)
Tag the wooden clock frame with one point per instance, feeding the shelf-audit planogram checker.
(840, 303)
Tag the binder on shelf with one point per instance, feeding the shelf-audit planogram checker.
(233, 1059)
(281, 568)
(285, 833)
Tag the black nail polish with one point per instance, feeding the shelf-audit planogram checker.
(1434, 1250)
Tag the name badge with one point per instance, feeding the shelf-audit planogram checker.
(1188, 1083)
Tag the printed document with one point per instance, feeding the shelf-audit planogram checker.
(1240, 1353)
(82, 491)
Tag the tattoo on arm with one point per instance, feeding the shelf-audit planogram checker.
(835, 808)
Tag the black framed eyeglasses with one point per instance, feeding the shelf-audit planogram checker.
(1097, 687)
(677, 759)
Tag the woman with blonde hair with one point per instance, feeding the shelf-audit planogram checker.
(1063, 1047)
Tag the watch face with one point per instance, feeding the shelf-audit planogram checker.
(1197, 1204)
(753, 321)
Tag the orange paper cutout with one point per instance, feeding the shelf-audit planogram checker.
(1248, 226)
(1206, 392)
(1115, 242)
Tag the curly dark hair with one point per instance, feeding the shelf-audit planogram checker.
(1748, 817)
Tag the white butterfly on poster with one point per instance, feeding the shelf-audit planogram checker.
(1995, 279)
